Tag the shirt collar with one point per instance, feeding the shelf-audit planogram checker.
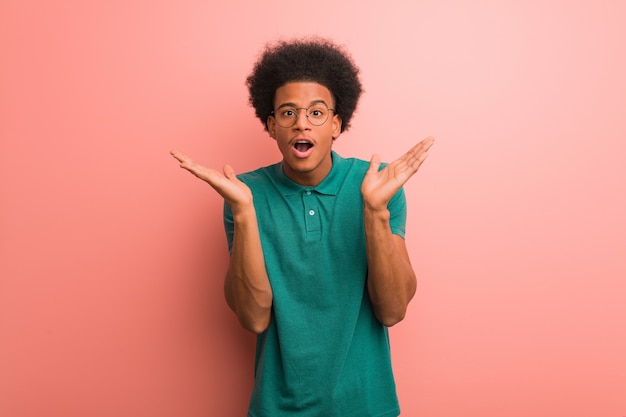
(329, 185)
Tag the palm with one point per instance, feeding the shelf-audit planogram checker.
(235, 192)
(378, 187)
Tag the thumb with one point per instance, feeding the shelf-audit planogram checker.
(374, 163)
(229, 172)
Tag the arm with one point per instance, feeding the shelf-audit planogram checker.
(391, 280)
(246, 286)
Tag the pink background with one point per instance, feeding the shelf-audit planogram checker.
(112, 258)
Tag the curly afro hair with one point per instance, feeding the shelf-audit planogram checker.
(309, 59)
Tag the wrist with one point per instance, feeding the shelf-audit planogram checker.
(243, 213)
(380, 213)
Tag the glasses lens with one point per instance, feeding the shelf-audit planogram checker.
(286, 116)
(317, 114)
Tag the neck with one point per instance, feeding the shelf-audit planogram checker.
(310, 178)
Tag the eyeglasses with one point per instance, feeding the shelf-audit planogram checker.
(316, 114)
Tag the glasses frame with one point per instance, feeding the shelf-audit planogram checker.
(297, 112)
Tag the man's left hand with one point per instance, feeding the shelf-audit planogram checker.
(378, 187)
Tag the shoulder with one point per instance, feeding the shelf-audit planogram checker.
(259, 176)
(349, 166)
(354, 165)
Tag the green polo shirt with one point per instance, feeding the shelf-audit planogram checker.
(324, 353)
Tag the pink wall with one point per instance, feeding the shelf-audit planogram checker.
(111, 257)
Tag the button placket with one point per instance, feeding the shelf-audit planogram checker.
(311, 215)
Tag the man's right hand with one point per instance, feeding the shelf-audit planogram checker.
(246, 286)
(235, 193)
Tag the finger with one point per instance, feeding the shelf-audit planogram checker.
(185, 161)
(427, 143)
(408, 164)
(422, 146)
(417, 163)
(179, 156)
(415, 156)
(189, 165)
(229, 172)
(374, 163)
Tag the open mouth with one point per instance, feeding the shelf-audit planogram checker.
(302, 145)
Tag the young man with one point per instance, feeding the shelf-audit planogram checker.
(318, 267)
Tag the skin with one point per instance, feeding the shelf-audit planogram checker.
(391, 280)
(311, 170)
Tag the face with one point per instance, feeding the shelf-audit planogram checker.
(305, 147)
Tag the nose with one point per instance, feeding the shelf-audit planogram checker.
(302, 122)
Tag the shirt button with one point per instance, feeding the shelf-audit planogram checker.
(311, 212)
(308, 193)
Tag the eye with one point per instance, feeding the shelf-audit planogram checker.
(289, 113)
(317, 112)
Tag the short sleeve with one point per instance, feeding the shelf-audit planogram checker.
(397, 211)
(229, 226)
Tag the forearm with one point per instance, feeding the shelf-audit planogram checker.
(247, 287)
(391, 281)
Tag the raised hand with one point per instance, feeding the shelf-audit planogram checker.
(236, 193)
(378, 187)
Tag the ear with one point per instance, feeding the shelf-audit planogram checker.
(336, 126)
(271, 126)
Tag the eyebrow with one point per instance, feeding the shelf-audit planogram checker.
(294, 105)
